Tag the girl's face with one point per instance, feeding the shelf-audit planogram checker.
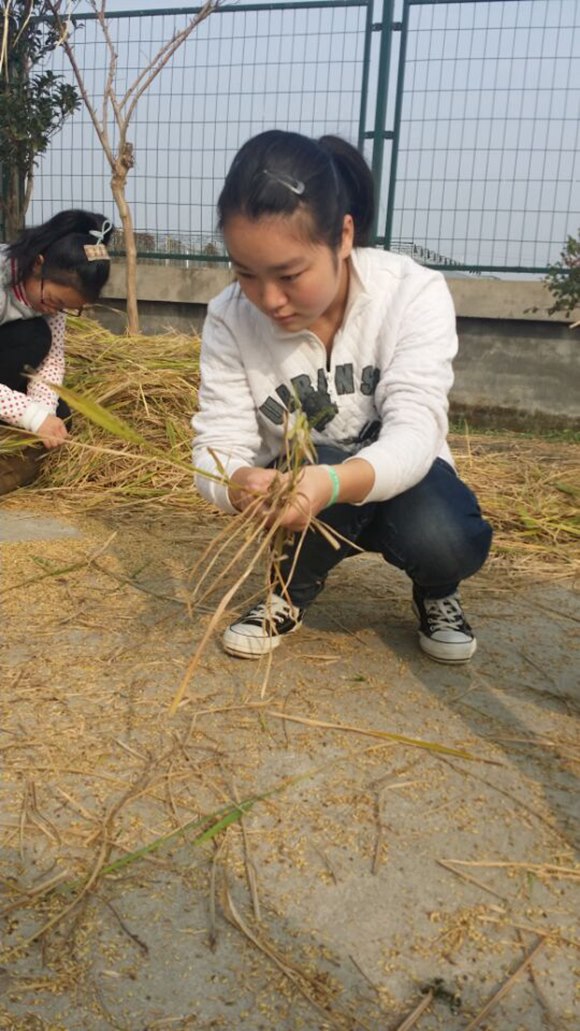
(48, 297)
(293, 281)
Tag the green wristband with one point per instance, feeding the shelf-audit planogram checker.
(335, 485)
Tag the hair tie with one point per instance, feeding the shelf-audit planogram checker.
(102, 232)
(294, 185)
(97, 251)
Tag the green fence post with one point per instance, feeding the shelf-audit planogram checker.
(382, 96)
(396, 127)
(364, 89)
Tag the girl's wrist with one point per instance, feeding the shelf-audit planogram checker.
(355, 478)
(235, 488)
(335, 485)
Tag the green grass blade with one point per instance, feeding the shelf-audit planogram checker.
(385, 735)
(566, 488)
(104, 418)
(229, 816)
(99, 415)
(215, 822)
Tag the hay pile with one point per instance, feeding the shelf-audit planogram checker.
(150, 382)
(528, 488)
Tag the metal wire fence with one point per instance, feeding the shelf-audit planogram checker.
(468, 111)
(486, 159)
(246, 68)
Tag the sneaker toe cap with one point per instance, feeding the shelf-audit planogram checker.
(451, 637)
(248, 641)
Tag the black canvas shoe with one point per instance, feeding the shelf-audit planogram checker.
(261, 629)
(444, 633)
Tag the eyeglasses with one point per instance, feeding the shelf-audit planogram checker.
(74, 312)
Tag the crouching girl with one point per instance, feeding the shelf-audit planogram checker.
(364, 339)
(50, 271)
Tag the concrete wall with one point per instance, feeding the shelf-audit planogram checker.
(517, 366)
(170, 297)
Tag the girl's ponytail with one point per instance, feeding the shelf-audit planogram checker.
(358, 182)
(279, 173)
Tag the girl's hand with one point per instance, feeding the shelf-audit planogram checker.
(311, 494)
(247, 484)
(52, 432)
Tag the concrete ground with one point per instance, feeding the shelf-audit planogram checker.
(375, 885)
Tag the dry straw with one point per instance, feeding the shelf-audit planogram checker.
(141, 454)
(528, 488)
(150, 382)
(134, 397)
(131, 445)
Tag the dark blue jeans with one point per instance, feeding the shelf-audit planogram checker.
(434, 531)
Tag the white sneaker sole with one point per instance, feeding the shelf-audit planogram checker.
(243, 647)
(451, 654)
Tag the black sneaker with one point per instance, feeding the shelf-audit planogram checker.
(444, 633)
(262, 628)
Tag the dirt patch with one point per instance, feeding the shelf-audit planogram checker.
(363, 870)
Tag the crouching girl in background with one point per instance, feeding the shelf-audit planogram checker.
(50, 271)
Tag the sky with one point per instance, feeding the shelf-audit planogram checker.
(488, 164)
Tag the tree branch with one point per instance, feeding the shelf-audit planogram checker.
(5, 38)
(101, 130)
(109, 92)
(146, 77)
(25, 22)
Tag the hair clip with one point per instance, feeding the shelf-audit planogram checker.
(96, 252)
(294, 185)
(102, 232)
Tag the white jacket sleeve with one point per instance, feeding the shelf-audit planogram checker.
(17, 410)
(412, 393)
(226, 424)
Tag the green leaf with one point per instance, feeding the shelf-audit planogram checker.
(230, 815)
(99, 415)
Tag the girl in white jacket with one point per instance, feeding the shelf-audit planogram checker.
(364, 340)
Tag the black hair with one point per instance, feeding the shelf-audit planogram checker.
(277, 173)
(61, 242)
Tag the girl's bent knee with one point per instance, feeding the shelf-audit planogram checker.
(452, 557)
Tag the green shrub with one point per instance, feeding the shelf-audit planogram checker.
(563, 278)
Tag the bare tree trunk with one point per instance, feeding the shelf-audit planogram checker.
(28, 191)
(13, 209)
(123, 164)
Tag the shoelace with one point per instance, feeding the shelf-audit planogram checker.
(265, 612)
(443, 613)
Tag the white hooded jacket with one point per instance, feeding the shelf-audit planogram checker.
(381, 394)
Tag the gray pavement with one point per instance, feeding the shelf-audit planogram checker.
(385, 870)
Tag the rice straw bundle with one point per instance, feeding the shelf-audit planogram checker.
(151, 383)
(529, 490)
